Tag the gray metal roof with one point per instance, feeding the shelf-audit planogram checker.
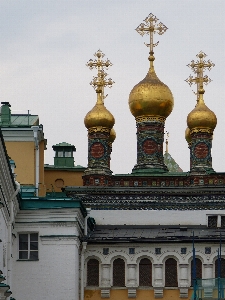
(154, 234)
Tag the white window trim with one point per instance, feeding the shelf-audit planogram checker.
(18, 252)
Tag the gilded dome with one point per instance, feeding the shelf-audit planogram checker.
(201, 117)
(99, 116)
(151, 97)
(188, 135)
(112, 135)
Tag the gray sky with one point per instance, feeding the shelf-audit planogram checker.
(45, 45)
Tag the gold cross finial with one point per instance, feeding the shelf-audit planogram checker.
(100, 81)
(151, 26)
(198, 67)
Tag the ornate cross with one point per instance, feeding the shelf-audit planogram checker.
(151, 26)
(198, 67)
(99, 82)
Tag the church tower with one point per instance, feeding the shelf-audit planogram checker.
(99, 122)
(201, 121)
(150, 102)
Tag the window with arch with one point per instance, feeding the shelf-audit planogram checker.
(145, 272)
(93, 272)
(198, 269)
(119, 272)
(222, 268)
(171, 273)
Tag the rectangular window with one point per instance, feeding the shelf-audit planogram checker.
(28, 246)
(212, 221)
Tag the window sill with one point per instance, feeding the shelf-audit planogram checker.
(27, 260)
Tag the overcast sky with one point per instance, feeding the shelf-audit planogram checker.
(45, 45)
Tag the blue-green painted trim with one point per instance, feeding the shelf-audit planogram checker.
(46, 203)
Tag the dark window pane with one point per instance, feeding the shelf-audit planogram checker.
(171, 273)
(34, 237)
(23, 245)
(222, 268)
(222, 221)
(212, 221)
(145, 272)
(33, 255)
(93, 272)
(118, 272)
(198, 269)
(23, 237)
(34, 246)
(23, 254)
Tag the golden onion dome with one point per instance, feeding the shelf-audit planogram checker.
(112, 135)
(151, 97)
(99, 115)
(201, 117)
(188, 135)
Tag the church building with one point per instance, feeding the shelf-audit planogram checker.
(144, 235)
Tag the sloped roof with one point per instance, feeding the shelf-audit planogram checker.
(24, 120)
(171, 164)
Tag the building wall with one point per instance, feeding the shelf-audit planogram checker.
(70, 178)
(153, 217)
(23, 154)
(121, 294)
(148, 250)
(55, 275)
(42, 188)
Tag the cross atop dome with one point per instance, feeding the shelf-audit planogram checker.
(198, 67)
(151, 26)
(100, 81)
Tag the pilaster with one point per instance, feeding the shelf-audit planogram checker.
(158, 280)
(131, 280)
(105, 281)
(183, 280)
(208, 283)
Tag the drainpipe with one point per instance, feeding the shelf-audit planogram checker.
(35, 130)
(9, 252)
(88, 210)
(84, 245)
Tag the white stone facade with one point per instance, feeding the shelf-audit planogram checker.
(56, 272)
(168, 250)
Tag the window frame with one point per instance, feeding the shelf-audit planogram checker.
(29, 246)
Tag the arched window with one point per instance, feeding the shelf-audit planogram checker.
(171, 273)
(198, 269)
(118, 272)
(145, 272)
(93, 272)
(222, 268)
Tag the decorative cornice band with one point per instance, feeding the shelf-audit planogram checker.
(141, 119)
(99, 129)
